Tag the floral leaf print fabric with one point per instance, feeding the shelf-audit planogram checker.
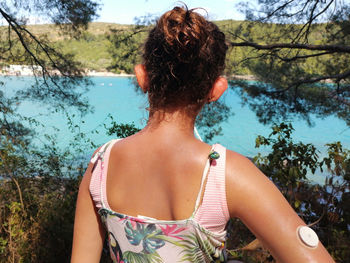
(171, 231)
(115, 251)
(147, 235)
(133, 257)
(151, 242)
(195, 250)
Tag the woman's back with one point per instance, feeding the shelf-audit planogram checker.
(158, 175)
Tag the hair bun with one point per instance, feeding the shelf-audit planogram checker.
(183, 32)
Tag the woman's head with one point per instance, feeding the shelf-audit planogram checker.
(183, 56)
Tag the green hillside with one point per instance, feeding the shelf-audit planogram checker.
(95, 50)
(91, 49)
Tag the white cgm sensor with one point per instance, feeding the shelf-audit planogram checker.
(308, 236)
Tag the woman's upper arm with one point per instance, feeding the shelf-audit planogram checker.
(254, 199)
(89, 234)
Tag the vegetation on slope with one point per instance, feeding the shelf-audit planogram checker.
(101, 46)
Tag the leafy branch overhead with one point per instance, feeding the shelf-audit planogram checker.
(58, 76)
(302, 51)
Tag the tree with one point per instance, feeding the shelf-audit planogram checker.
(57, 75)
(39, 184)
(299, 52)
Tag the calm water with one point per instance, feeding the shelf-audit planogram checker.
(116, 96)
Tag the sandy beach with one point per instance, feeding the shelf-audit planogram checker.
(25, 70)
(93, 73)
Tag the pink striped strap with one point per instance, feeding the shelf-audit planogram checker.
(97, 185)
(213, 213)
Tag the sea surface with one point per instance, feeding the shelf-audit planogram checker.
(117, 97)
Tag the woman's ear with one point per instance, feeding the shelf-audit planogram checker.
(219, 87)
(141, 76)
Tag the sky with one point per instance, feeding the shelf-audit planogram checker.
(124, 12)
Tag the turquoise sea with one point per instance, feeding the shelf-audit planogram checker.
(116, 96)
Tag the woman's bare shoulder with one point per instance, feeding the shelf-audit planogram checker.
(240, 168)
(245, 183)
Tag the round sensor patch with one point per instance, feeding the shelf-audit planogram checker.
(308, 236)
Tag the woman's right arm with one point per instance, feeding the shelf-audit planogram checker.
(254, 199)
(89, 234)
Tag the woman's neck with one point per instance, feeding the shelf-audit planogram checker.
(175, 123)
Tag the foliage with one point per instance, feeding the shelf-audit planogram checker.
(301, 50)
(40, 196)
(90, 50)
(122, 130)
(72, 16)
(288, 163)
(39, 181)
(211, 117)
(38, 193)
(325, 207)
(58, 76)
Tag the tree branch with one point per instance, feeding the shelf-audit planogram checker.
(307, 24)
(311, 20)
(332, 48)
(301, 57)
(15, 26)
(337, 77)
(281, 7)
(130, 35)
(20, 31)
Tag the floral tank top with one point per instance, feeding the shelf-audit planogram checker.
(200, 238)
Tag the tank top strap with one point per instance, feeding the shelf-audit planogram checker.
(204, 177)
(98, 178)
(213, 212)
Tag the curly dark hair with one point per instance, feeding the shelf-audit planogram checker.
(183, 55)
